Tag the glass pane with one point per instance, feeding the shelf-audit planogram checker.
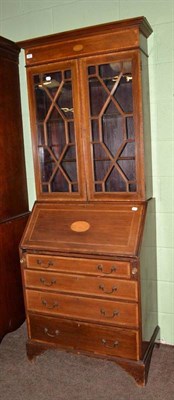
(70, 171)
(47, 164)
(128, 151)
(67, 74)
(115, 182)
(111, 110)
(59, 183)
(98, 187)
(65, 101)
(132, 187)
(71, 132)
(98, 96)
(91, 70)
(113, 133)
(51, 82)
(123, 95)
(43, 103)
(130, 127)
(112, 127)
(45, 189)
(110, 70)
(100, 169)
(40, 130)
(99, 152)
(110, 74)
(56, 136)
(54, 115)
(123, 92)
(95, 130)
(70, 154)
(74, 188)
(128, 168)
(55, 129)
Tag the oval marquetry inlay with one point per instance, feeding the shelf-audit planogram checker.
(80, 226)
(78, 47)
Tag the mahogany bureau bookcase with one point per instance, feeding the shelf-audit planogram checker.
(13, 190)
(88, 252)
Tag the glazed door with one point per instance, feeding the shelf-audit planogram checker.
(113, 123)
(55, 110)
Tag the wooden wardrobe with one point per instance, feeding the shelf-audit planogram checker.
(88, 252)
(13, 190)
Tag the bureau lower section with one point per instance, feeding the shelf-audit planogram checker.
(85, 305)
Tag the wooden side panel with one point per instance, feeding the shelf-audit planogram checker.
(13, 189)
(12, 165)
(146, 126)
(148, 269)
(12, 312)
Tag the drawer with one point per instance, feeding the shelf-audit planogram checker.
(121, 269)
(83, 308)
(87, 285)
(72, 335)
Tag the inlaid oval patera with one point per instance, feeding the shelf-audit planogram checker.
(78, 47)
(80, 226)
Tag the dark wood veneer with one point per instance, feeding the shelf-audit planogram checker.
(13, 189)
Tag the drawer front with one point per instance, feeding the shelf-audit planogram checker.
(87, 285)
(119, 269)
(107, 311)
(81, 336)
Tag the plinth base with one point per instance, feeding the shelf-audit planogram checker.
(137, 369)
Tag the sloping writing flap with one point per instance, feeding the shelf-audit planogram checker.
(86, 228)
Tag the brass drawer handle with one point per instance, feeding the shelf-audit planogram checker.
(45, 283)
(114, 314)
(51, 334)
(54, 305)
(114, 289)
(100, 268)
(109, 346)
(49, 264)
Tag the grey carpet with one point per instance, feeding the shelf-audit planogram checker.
(57, 375)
